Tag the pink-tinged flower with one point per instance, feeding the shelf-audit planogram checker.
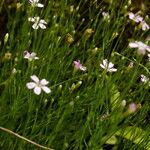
(37, 22)
(132, 107)
(142, 48)
(135, 17)
(145, 26)
(35, 3)
(108, 66)
(79, 66)
(30, 56)
(38, 85)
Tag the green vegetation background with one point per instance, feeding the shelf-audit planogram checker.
(74, 117)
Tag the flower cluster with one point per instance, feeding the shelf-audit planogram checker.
(37, 22)
(139, 19)
(38, 85)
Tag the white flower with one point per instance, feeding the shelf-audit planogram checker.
(30, 56)
(144, 79)
(135, 17)
(108, 66)
(142, 48)
(79, 66)
(14, 71)
(123, 103)
(37, 22)
(35, 3)
(145, 26)
(38, 85)
(106, 15)
(139, 19)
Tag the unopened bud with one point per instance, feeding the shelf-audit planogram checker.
(69, 38)
(7, 56)
(123, 103)
(6, 38)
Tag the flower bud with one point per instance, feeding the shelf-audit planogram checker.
(6, 38)
(69, 38)
(7, 56)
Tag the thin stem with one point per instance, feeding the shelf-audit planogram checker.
(23, 138)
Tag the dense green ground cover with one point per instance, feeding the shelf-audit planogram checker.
(89, 104)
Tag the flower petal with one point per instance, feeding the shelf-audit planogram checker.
(141, 51)
(138, 18)
(102, 66)
(148, 49)
(35, 25)
(33, 54)
(112, 70)
(77, 64)
(30, 1)
(30, 85)
(42, 26)
(110, 65)
(37, 90)
(35, 1)
(82, 68)
(145, 26)
(27, 55)
(44, 82)
(105, 63)
(131, 15)
(42, 21)
(36, 57)
(31, 19)
(39, 5)
(133, 45)
(46, 89)
(34, 78)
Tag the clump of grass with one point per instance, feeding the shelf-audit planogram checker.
(89, 86)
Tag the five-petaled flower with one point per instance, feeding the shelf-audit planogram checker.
(37, 22)
(139, 19)
(135, 17)
(35, 3)
(79, 66)
(142, 48)
(108, 66)
(38, 85)
(30, 56)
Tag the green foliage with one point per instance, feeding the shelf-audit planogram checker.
(85, 109)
